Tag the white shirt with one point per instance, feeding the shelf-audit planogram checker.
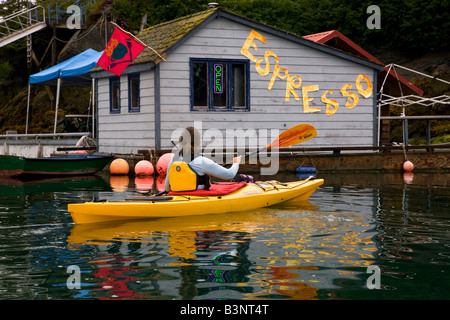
(203, 165)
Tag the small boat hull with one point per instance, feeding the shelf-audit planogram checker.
(251, 196)
(67, 165)
(81, 164)
(11, 166)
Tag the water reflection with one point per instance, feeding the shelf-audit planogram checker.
(315, 250)
(283, 252)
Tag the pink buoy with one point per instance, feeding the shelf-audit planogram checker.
(143, 184)
(163, 163)
(408, 177)
(408, 166)
(119, 166)
(144, 167)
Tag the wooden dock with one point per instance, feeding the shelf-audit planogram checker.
(353, 159)
(423, 160)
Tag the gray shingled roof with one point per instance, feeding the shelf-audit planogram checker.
(165, 35)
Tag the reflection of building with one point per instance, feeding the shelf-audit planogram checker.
(175, 258)
(219, 261)
(116, 278)
(281, 253)
(233, 73)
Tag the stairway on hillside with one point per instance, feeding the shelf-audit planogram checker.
(21, 24)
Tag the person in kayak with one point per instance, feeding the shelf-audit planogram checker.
(189, 170)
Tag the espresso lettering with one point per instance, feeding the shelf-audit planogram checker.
(368, 91)
(275, 74)
(294, 81)
(249, 43)
(352, 99)
(331, 105)
(307, 100)
(266, 70)
(290, 85)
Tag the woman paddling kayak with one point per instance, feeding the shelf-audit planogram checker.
(189, 170)
(247, 196)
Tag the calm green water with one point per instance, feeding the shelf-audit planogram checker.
(316, 250)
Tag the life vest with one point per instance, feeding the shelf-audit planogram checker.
(183, 178)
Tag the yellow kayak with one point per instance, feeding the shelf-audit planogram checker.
(246, 197)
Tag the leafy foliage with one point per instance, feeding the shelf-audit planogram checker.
(409, 26)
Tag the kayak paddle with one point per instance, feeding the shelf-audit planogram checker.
(294, 135)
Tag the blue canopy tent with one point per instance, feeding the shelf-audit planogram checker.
(74, 71)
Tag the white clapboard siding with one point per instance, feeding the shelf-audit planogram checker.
(223, 39)
(126, 132)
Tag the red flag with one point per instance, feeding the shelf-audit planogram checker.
(121, 50)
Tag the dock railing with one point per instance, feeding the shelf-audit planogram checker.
(405, 101)
(38, 136)
(405, 124)
(44, 144)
